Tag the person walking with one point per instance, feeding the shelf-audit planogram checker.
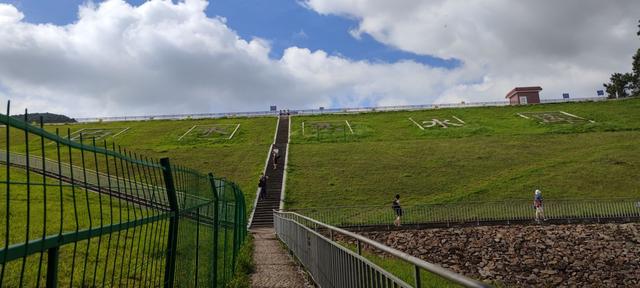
(262, 184)
(539, 206)
(397, 209)
(275, 153)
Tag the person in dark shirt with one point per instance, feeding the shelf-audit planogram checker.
(262, 183)
(397, 209)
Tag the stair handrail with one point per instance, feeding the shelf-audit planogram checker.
(416, 262)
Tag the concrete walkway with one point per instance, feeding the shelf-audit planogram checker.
(274, 266)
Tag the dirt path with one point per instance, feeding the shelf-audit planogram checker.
(274, 266)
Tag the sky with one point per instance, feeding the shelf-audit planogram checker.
(115, 57)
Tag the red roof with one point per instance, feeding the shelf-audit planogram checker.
(523, 89)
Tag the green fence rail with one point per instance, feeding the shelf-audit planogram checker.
(85, 213)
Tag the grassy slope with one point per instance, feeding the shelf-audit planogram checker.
(240, 159)
(497, 155)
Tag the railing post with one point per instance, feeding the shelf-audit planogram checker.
(359, 247)
(216, 229)
(236, 228)
(417, 276)
(52, 267)
(172, 241)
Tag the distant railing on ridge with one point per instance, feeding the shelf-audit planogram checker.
(323, 111)
(476, 212)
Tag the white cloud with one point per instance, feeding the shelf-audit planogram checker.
(162, 57)
(165, 57)
(9, 14)
(570, 45)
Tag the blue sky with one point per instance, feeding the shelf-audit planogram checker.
(284, 23)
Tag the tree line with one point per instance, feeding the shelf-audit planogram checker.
(623, 85)
(46, 118)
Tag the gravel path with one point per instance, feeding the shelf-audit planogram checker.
(274, 266)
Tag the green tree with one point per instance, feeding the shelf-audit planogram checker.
(636, 69)
(626, 84)
(621, 85)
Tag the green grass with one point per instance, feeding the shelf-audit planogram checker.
(405, 271)
(132, 257)
(81, 210)
(497, 155)
(244, 266)
(240, 159)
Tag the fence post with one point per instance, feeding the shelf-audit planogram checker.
(215, 228)
(52, 267)
(172, 242)
(237, 227)
(417, 275)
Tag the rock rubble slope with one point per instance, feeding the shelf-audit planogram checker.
(597, 255)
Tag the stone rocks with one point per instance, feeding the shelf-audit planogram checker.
(603, 255)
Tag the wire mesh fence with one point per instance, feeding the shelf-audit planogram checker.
(87, 214)
(477, 212)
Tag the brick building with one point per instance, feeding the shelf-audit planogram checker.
(524, 95)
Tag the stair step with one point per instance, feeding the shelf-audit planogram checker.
(262, 220)
(263, 212)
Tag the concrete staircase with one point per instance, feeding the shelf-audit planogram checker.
(263, 213)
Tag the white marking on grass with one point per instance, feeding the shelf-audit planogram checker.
(105, 132)
(185, 134)
(568, 114)
(234, 132)
(349, 125)
(414, 122)
(571, 115)
(74, 133)
(302, 128)
(125, 129)
(521, 115)
(459, 119)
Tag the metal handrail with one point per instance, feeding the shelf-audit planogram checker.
(416, 262)
(478, 212)
(466, 203)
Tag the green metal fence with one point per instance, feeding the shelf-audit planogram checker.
(93, 214)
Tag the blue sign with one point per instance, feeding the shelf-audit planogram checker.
(273, 108)
(600, 93)
(565, 95)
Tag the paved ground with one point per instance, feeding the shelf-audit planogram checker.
(274, 266)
